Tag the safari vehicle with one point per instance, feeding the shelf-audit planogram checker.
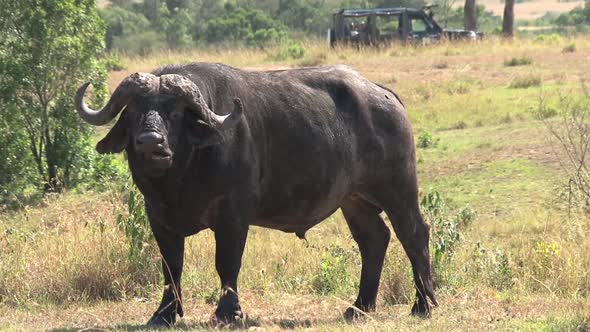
(385, 25)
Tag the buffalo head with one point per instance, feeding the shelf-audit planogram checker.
(160, 114)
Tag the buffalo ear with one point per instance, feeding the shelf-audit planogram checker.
(116, 139)
(202, 134)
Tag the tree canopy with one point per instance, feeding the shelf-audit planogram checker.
(47, 48)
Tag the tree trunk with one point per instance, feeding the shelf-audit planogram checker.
(508, 21)
(470, 18)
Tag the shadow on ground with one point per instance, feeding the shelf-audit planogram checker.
(245, 324)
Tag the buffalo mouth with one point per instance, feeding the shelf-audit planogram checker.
(158, 161)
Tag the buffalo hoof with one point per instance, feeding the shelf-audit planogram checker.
(353, 314)
(228, 315)
(421, 309)
(358, 312)
(228, 309)
(160, 321)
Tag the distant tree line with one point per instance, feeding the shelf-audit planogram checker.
(143, 26)
(579, 16)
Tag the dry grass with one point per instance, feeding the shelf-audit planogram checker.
(522, 265)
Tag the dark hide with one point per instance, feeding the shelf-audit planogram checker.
(309, 141)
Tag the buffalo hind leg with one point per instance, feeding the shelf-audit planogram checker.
(229, 241)
(172, 250)
(403, 210)
(372, 236)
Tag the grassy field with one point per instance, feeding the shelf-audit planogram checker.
(521, 261)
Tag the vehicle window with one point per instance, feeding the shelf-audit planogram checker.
(419, 25)
(353, 26)
(388, 25)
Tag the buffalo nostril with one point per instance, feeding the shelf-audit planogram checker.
(149, 138)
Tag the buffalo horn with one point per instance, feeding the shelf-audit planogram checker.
(135, 84)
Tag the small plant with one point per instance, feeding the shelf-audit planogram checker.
(543, 111)
(459, 125)
(313, 60)
(441, 65)
(571, 133)
(426, 140)
(507, 118)
(545, 251)
(333, 275)
(548, 38)
(524, 82)
(571, 48)
(493, 266)
(446, 229)
(459, 87)
(522, 61)
(135, 225)
(290, 50)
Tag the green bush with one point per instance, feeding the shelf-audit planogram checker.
(17, 171)
(493, 267)
(333, 275)
(290, 50)
(47, 49)
(548, 38)
(571, 48)
(426, 140)
(446, 230)
(121, 24)
(524, 82)
(249, 26)
(576, 17)
(522, 61)
(143, 43)
(313, 60)
(136, 227)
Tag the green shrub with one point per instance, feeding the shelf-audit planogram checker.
(441, 65)
(290, 50)
(571, 48)
(522, 61)
(524, 82)
(494, 267)
(135, 225)
(313, 60)
(237, 25)
(333, 275)
(47, 49)
(445, 230)
(17, 171)
(426, 140)
(459, 125)
(548, 38)
(122, 24)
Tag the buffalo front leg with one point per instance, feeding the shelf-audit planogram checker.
(172, 250)
(230, 241)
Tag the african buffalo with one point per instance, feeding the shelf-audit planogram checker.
(211, 146)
